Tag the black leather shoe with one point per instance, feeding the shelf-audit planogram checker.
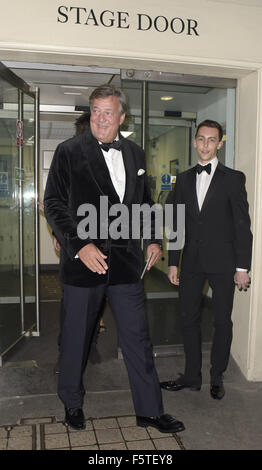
(164, 423)
(75, 418)
(173, 386)
(217, 392)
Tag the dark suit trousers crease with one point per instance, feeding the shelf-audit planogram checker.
(190, 292)
(82, 307)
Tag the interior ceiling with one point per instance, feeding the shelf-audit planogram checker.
(52, 81)
(72, 85)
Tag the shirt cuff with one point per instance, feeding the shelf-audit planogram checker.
(241, 269)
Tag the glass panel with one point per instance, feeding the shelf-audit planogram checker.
(168, 152)
(131, 128)
(29, 213)
(10, 316)
(172, 113)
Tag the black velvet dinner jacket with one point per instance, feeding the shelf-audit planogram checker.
(79, 175)
(217, 238)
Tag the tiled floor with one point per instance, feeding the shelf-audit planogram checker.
(116, 433)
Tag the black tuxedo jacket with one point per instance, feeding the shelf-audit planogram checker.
(218, 237)
(79, 175)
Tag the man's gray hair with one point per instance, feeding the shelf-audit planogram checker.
(103, 91)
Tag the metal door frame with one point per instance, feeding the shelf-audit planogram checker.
(23, 88)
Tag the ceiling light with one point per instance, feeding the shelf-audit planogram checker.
(75, 87)
(72, 93)
(166, 98)
(56, 108)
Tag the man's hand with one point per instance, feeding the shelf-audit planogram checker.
(56, 244)
(242, 280)
(93, 258)
(172, 275)
(157, 253)
(40, 204)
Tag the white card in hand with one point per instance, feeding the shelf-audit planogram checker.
(146, 265)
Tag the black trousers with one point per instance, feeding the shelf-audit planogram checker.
(190, 293)
(82, 307)
(62, 314)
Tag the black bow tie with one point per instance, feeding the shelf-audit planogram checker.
(116, 144)
(200, 168)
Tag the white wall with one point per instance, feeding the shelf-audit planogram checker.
(213, 106)
(228, 34)
(247, 341)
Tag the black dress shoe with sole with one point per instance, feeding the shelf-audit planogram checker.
(217, 392)
(164, 423)
(173, 386)
(75, 418)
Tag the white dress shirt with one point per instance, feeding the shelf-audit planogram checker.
(203, 181)
(115, 165)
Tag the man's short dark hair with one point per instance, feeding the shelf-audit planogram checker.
(103, 91)
(210, 123)
(82, 123)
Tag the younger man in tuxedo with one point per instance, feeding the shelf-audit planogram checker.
(218, 244)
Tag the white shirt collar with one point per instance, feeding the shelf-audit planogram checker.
(116, 138)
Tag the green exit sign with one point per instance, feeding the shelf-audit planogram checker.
(19, 174)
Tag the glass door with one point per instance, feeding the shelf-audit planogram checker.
(10, 298)
(19, 291)
(164, 110)
(28, 213)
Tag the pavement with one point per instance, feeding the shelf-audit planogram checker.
(31, 415)
(116, 433)
(33, 419)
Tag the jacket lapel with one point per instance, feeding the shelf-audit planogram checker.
(130, 168)
(192, 189)
(98, 167)
(214, 185)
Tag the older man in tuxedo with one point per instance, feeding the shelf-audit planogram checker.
(85, 169)
(218, 244)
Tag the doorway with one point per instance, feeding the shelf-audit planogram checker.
(164, 109)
